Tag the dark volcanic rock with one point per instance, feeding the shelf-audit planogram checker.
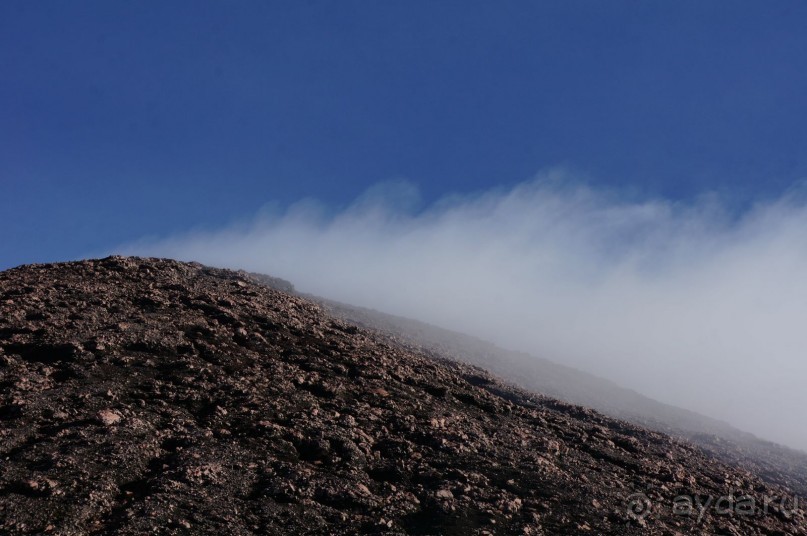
(777, 464)
(142, 396)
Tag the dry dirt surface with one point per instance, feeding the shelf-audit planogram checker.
(144, 396)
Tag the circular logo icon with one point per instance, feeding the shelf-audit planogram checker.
(638, 506)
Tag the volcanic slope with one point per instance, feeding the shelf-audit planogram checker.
(778, 464)
(144, 396)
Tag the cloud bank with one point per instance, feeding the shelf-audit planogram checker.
(687, 303)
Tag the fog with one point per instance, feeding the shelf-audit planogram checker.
(689, 303)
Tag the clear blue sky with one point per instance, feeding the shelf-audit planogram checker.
(124, 119)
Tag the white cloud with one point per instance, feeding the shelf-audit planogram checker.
(682, 302)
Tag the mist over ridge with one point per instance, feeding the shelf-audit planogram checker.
(684, 302)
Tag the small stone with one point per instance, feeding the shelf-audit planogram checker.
(108, 417)
(513, 506)
(444, 494)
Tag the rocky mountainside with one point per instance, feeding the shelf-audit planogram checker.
(143, 396)
(778, 464)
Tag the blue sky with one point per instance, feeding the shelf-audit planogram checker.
(120, 120)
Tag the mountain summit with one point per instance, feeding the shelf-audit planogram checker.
(145, 396)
